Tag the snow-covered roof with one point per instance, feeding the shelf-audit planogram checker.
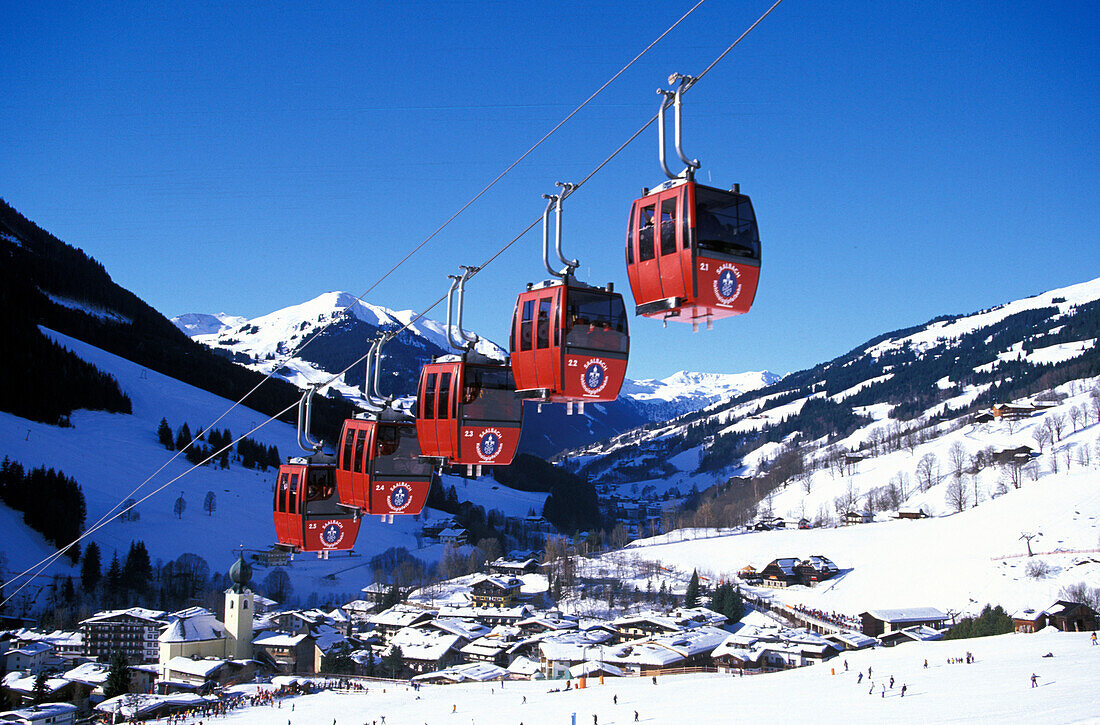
(45, 712)
(89, 673)
(201, 626)
(423, 644)
(466, 628)
(152, 616)
(913, 614)
(592, 667)
(470, 672)
(198, 668)
(400, 615)
(278, 639)
(138, 705)
(524, 666)
(486, 647)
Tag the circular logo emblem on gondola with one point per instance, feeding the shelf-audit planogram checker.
(594, 377)
(332, 533)
(727, 285)
(400, 497)
(488, 445)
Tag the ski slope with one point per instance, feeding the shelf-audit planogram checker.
(994, 689)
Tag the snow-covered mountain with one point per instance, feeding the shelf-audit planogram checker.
(900, 381)
(197, 323)
(685, 391)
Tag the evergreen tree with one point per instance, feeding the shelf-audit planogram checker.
(164, 434)
(41, 688)
(90, 568)
(691, 597)
(118, 677)
(394, 661)
(112, 582)
(183, 437)
(138, 569)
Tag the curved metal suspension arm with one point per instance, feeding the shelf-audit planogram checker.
(666, 96)
(367, 378)
(383, 399)
(450, 295)
(546, 235)
(470, 339)
(305, 418)
(677, 104)
(566, 190)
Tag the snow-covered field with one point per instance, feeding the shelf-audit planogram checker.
(950, 562)
(996, 688)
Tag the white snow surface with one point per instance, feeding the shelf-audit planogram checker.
(994, 689)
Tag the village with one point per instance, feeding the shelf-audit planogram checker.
(494, 626)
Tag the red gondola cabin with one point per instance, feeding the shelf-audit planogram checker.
(380, 471)
(308, 515)
(692, 252)
(468, 413)
(569, 343)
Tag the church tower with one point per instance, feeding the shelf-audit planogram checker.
(238, 612)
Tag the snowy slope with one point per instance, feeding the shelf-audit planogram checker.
(994, 689)
(112, 455)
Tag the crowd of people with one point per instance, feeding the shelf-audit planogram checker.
(836, 618)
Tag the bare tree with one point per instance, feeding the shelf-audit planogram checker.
(1083, 454)
(927, 471)
(1057, 424)
(958, 456)
(1028, 536)
(976, 496)
(956, 494)
(1075, 417)
(1042, 436)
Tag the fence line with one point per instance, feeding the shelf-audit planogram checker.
(1045, 553)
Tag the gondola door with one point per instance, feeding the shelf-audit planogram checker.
(659, 251)
(536, 351)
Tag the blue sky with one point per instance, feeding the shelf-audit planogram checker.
(905, 159)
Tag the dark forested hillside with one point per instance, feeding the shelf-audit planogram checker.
(50, 283)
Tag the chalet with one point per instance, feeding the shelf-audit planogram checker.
(387, 623)
(883, 621)
(1019, 454)
(919, 633)
(639, 626)
(780, 573)
(51, 713)
(595, 669)
(30, 656)
(470, 672)
(848, 640)
(495, 591)
(453, 536)
(814, 570)
(358, 611)
(539, 623)
(749, 574)
(491, 616)
(759, 648)
(195, 674)
(558, 651)
(675, 650)
(493, 650)
(510, 567)
(1063, 615)
(851, 518)
(914, 513)
(287, 653)
(1012, 412)
(426, 650)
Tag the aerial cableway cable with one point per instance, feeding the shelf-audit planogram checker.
(115, 512)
